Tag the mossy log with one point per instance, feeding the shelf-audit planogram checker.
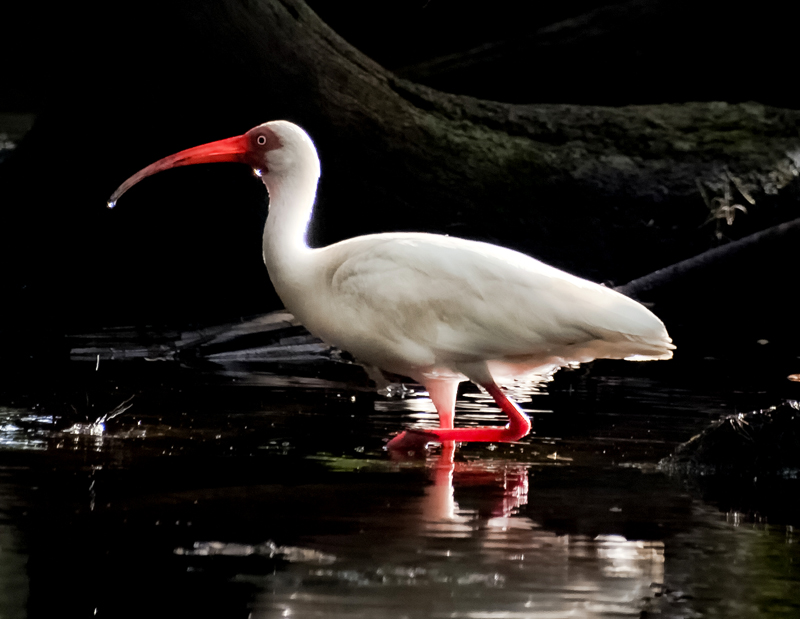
(610, 193)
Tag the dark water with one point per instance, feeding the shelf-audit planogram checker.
(264, 490)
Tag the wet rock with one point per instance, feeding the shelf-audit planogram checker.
(759, 443)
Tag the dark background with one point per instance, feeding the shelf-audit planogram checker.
(114, 87)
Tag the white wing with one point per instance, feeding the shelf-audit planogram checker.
(440, 300)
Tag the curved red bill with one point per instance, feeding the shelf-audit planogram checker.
(230, 149)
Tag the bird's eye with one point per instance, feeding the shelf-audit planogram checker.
(261, 140)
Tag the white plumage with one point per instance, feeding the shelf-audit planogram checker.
(434, 308)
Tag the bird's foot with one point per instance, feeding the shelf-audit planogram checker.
(519, 424)
(508, 434)
(414, 440)
(410, 441)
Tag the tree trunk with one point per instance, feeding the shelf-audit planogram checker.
(619, 52)
(608, 193)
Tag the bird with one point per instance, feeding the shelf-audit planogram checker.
(436, 309)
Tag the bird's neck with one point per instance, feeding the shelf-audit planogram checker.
(286, 252)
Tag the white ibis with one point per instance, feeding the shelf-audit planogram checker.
(436, 309)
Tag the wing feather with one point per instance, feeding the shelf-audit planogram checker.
(458, 301)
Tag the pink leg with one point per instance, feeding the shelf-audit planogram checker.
(518, 426)
(443, 395)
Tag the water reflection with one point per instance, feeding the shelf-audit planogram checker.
(277, 499)
(440, 510)
(23, 429)
(482, 559)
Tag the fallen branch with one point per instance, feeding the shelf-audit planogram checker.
(713, 258)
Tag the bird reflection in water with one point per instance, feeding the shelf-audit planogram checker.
(431, 556)
(505, 486)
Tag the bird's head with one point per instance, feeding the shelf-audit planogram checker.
(273, 150)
